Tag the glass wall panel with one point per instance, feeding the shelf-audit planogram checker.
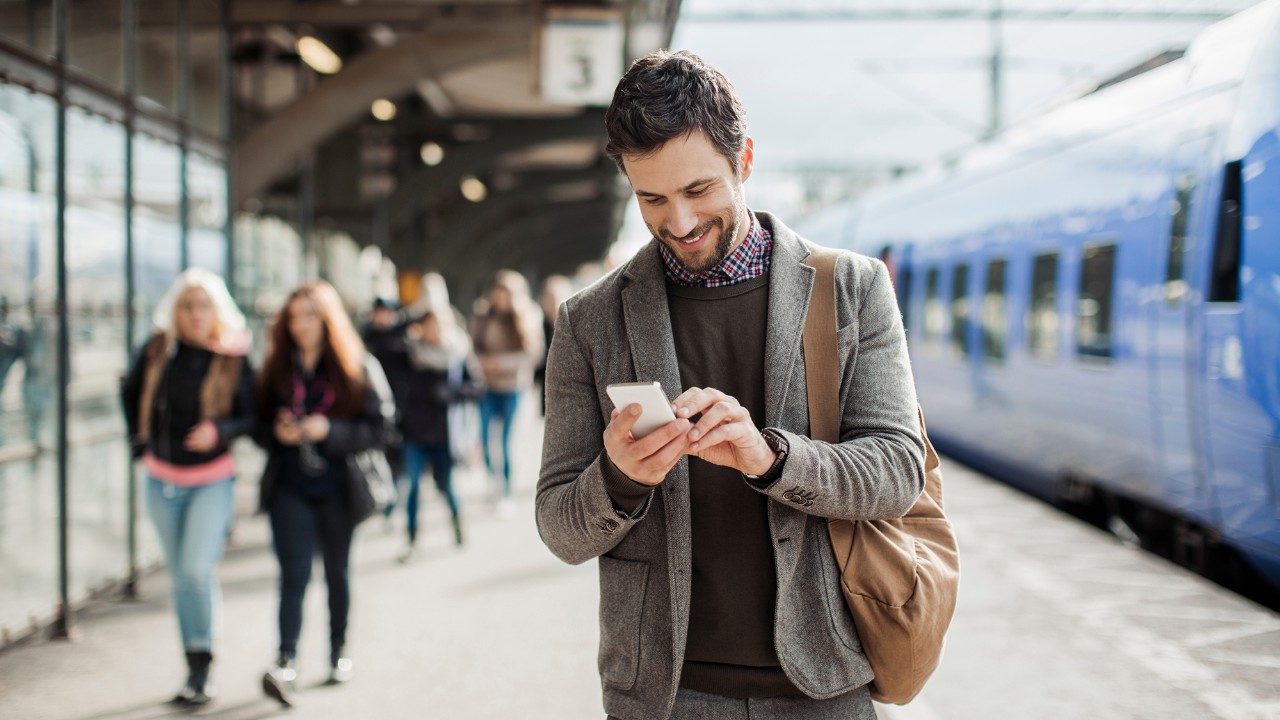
(157, 234)
(157, 52)
(268, 266)
(98, 463)
(28, 23)
(28, 326)
(206, 66)
(206, 213)
(97, 39)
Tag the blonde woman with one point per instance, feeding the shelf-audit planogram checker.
(188, 394)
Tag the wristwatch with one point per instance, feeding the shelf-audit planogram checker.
(779, 445)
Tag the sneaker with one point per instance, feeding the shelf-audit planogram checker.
(408, 555)
(278, 682)
(341, 669)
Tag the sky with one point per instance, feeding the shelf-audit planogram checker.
(842, 99)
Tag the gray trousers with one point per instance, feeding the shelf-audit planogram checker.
(694, 705)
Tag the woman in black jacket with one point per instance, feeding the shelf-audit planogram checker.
(188, 394)
(324, 407)
(442, 372)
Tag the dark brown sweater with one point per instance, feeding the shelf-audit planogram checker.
(719, 339)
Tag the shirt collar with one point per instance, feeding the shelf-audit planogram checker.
(748, 261)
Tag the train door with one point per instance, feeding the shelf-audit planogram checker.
(1241, 346)
(1171, 361)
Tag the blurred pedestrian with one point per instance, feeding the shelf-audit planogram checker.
(323, 401)
(464, 414)
(555, 290)
(384, 338)
(718, 587)
(507, 336)
(442, 374)
(187, 395)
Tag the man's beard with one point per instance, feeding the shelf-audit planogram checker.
(724, 243)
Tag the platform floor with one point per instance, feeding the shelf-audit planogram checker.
(1056, 620)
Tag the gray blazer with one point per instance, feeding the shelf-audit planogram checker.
(619, 330)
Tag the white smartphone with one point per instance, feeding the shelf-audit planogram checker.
(655, 407)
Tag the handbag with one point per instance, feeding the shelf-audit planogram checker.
(899, 577)
(371, 487)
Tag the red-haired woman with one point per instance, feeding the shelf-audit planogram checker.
(323, 401)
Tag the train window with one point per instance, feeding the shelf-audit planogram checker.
(1175, 287)
(1093, 309)
(934, 314)
(960, 309)
(1042, 319)
(993, 312)
(1224, 283)
(904, 295)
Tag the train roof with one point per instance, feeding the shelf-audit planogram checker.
(1226, 53)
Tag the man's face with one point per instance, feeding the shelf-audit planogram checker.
(691, 200)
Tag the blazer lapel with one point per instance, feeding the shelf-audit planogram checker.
(790, 285)
(653, 352)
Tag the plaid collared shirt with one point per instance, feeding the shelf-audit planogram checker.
(749, 261)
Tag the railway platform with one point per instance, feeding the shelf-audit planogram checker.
(1056, 620)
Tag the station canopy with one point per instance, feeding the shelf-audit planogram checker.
(457, 136)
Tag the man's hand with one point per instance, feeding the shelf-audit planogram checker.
(724, 434)
(649, 459)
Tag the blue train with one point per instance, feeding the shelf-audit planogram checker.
(1093, 301)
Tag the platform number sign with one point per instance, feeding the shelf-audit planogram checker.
(581, 59)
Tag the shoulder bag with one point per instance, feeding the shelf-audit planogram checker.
(899, 577)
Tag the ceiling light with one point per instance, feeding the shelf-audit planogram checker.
(383, 109)
(317, 55)
(473, 189)
(432, 154)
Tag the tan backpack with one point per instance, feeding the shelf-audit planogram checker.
(900, 577)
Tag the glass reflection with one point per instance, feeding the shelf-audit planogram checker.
(206, 213)
(28, 512)
(206, 79)
(96, 45)
(157, 236)
(28, 23)
(157, 53)
(98, 469)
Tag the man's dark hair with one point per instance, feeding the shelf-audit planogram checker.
(667, 95)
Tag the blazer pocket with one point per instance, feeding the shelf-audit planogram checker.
(837, 606)
(623, 584)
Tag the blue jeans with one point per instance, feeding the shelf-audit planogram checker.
(503, 406)
(192, 523)
(416, 458)
(298, 525)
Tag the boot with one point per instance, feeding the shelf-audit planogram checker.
(277, 683)
(457, 531)
(198, 691)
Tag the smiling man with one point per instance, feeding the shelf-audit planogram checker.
(718, 594)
